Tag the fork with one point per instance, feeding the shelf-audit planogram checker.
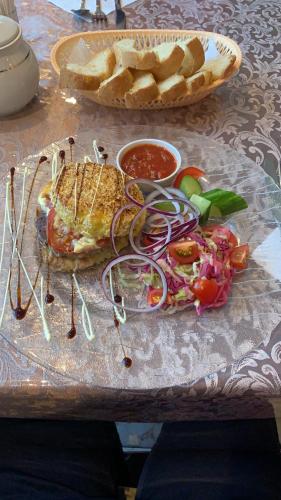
(99, 15)
(83, 11)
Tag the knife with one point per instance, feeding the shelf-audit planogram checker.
(120, 16)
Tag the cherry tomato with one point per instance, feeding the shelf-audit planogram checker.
(193, 171)
(205, 290)
(154, 297)
(184, 252)
(58, 240)
(239, 256)
(218, 233)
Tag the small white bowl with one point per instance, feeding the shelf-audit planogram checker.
(166, 181)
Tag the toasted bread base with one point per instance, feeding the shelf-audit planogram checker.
(82, 261)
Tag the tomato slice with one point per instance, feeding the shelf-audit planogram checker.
(184, 252)
(205, 290)
(193, 171)
(154, 297)
(60, 242)
(239, 256)
(218, 233)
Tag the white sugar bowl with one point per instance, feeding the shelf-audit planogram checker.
(19, 70)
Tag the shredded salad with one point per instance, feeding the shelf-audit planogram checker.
(199, 270)
(181, 259)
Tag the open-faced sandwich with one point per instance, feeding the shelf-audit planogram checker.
(77, 209)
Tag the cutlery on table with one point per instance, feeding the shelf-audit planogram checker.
(82, 12)
(99, 15)
(120, 16)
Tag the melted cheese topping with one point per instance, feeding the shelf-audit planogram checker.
(84, 244)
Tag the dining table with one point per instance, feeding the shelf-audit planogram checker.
(243, 114)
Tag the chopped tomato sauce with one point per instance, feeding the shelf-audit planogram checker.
(148, 161)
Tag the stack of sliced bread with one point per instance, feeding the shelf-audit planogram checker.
(166, 72)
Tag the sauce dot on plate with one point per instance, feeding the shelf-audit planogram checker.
(127, 362)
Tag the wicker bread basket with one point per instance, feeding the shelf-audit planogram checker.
(98, 40)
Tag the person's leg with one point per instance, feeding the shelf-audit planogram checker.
(214, 461)
(59, 460)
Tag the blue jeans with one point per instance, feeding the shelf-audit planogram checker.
(63, 460)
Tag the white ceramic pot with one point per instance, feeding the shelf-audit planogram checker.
(19, 70)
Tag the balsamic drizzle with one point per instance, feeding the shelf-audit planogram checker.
(62, 155)
(71, 143)
(72, 332)
(18, 310)
(49, 298)
(104, 156)
(126, 361)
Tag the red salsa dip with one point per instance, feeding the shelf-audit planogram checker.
(148, 161)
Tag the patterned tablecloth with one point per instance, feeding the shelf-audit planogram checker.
(244, 114)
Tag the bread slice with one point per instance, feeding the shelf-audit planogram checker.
(74, 76)
(194, 82)
(170, 56)
(194, 56)
(117, 85)
(208, 77)
(128, 56)
(172, 88)
(219, 66)
(144, 89)
(89, 76)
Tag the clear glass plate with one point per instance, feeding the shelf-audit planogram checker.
(165, 349)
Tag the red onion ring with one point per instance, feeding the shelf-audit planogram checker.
(155, 193)
(163, 238)
(132, 227)
(150, 220)
(147, 261)
(173, 227)
(171, 193)
(176, 192)
(151, 184)
(113, 224)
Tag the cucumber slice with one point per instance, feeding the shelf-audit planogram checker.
(226, 202)
(190, 186)
(203, 206)
(215, 211)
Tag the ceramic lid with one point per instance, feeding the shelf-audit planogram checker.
(9, 30)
